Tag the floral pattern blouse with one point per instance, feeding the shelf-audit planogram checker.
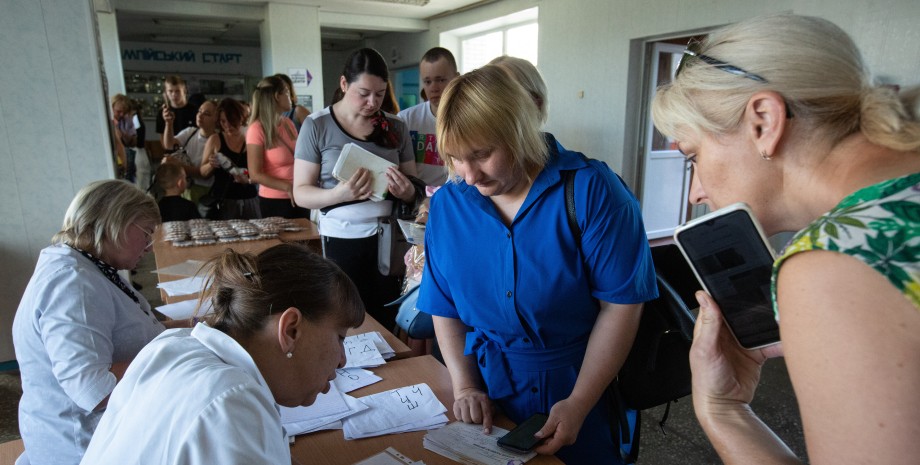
(879, 225)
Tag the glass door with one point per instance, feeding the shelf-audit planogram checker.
(666, 178)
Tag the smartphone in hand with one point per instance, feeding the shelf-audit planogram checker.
(730, 256)
(521, 439)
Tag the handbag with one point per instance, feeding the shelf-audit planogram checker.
(391, 243)
(180, 152)
(416, 324)
(657, 370)
(391, 246)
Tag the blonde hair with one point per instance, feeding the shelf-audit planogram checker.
(100, 214)
(485, 106)
(527, 75)
(123, 100)
(265, 109)
(246, 289)
(810, 61)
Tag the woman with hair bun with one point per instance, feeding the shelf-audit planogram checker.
(208, 394)
(780, 112)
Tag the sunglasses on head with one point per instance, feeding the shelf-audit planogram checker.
(692, 52)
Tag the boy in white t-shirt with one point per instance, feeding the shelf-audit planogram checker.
(437, 68)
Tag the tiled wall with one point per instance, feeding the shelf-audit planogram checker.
(53, 133)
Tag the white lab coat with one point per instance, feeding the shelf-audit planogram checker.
(192, 396)
(71, 325)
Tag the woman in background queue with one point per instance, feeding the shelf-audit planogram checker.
(298, 113)
(192, 140)
(348, 223)
(270, 142)
(225, 158)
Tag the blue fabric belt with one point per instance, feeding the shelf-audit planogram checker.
(494, 360)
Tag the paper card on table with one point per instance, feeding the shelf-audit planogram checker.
(354, 157)
(394, 408)
(383, 347)
(185, 309)
(361, 352)
(182, 286)
(186, 268)
(349, 379)
(466, 443)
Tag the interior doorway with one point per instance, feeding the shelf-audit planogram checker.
(663, 173)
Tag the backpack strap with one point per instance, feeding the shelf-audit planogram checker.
(568, 177)
(614, 398)
(189, 138)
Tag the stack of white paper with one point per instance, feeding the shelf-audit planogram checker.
(466, 443)
(329, 408)
(366, 350)
(354, 157)
(411, 408)
(326, 413)
(183, 286)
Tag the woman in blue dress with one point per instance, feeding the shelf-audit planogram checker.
(552, 322)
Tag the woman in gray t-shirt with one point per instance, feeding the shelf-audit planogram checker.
(348, 219)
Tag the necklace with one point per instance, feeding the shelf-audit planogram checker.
(111, 273)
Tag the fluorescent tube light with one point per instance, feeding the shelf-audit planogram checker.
(402, 2)
(193, 25)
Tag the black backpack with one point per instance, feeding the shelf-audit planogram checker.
(657, 369)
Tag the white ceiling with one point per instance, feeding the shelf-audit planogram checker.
(236, 22)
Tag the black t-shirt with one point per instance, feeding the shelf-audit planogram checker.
(141, 132)
(223, 180)
(175, 208)
(185, 117)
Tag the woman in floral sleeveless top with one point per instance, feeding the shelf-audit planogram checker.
(781, 113)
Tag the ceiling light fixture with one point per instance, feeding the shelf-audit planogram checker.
(403, 2)
(194, 25)
(182, 39)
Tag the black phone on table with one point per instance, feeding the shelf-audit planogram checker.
(521, 439)
(729, 254)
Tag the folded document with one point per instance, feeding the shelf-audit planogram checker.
(466, 443)
(366, 350)
(410, 408)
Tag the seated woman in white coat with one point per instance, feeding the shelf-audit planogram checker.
(79, 324)
(207, 395)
